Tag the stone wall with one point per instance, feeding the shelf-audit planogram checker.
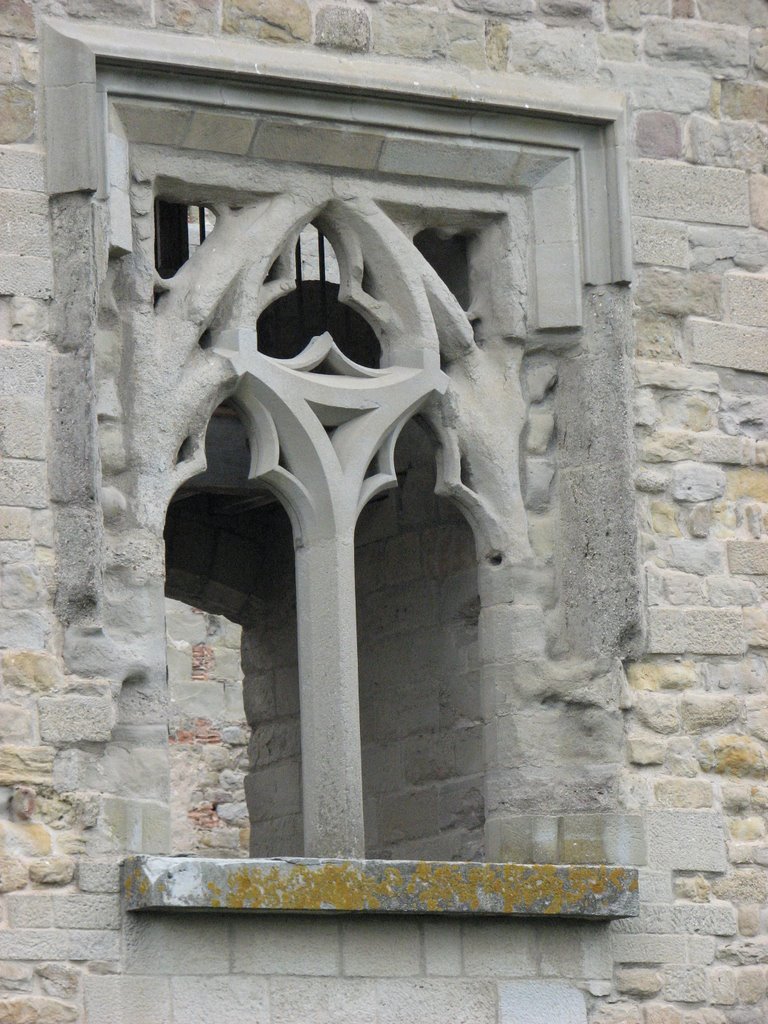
(694, 758)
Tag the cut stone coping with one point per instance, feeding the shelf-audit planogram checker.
(304, 885)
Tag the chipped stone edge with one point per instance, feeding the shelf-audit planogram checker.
(306, 885)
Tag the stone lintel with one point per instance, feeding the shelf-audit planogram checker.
(305, 885)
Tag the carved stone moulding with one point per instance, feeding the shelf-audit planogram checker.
(564, 148)
(306, 885)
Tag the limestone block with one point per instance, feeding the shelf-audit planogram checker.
(24, 223)
(428, 1001)
(442, 948)
(658, 711)
(748, 556)
(230, 1000)
(660, 243)
(330, 146)
(718, 49)
(343, 28)
(696, 630)
(21, 1009)
(13, 874)
(747, 483)
(540, 1002)
(677, 191)
(16, 724)
(22, 586)
(58, 944)
(726, 143)
(502, 8)
(655, 88)
(15, 524)
(689, 793)
(21, 169)
(747, 298)
(701, 711)
(655, 949)
(199, 16)
(29, 910)
(559, 52)
(673, 377)
(52, 871)
(657, 135)
(693, 482)
(733, 755)
(747, 885)
(31, 765)
(718, 344)
(170, 945)
(725, 590)
(633, 13)
(702, 557)
(686, 841)
(376, 948)
(95, 875)
(110, 999)
(285, 946)
(220, 133)
(322, 1000)
(410, 33)
(282, 21)
(677, 293)
(27, 670)
(86, 911)
(75, 718)
(22, 483)
(758, 200)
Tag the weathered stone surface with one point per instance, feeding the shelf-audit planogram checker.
(677, 191)
(380, 886)
(660, 243)
(747, 298)
(13, 874)
(678, 294)
(187, 15)
(693, 482)
(633, 13)
(31, 671)
(25, 764)
(553, 52)
(53, 871)
(657, 135)
(724, 51)
(699, 630)
(749, 557)
(343, 28)
(726, 144)
(733, 754)
(36, 1010)
(718, 344)
(281, 21)
(17, 113)
(74, 718)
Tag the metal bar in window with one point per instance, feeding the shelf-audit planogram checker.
(323, 295)
(201, 222)
(299, 286)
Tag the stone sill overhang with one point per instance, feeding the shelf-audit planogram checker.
(306, 885)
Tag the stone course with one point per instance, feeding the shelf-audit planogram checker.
(691, 754)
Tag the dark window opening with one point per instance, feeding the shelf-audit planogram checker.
(179, 229)
(447, 255)
(286, 327)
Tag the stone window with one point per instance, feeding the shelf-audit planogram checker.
(470, 290)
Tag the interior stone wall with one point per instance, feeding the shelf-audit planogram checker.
(82, 764)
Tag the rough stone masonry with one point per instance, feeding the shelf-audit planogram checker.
(562, 656)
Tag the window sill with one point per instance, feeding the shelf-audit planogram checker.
(305, 885)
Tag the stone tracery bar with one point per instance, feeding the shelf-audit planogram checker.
(305, 885)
